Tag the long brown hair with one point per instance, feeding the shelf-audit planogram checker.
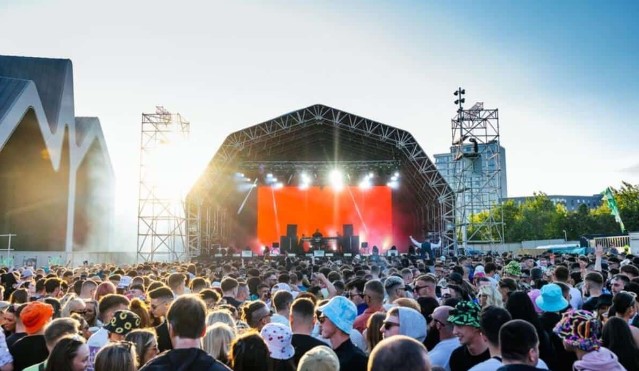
(373, 335)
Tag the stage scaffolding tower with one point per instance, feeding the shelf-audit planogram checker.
(478, 179)
(162, 221)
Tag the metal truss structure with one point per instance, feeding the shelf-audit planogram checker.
(321, 133)
(161, 215)
(478, 180)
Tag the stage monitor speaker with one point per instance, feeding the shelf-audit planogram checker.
(354, 245)
(291, 230)
(348, 230)
(287, 244)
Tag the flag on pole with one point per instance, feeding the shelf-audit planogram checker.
(612, 205)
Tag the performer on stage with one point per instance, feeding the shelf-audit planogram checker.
(317, 239)
(426, 247)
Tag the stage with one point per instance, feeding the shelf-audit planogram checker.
(319, 170)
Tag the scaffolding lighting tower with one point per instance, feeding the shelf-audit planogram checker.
(478, 180)
(161, 217)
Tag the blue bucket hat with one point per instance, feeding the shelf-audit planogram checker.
(341, 312)
(551, 298)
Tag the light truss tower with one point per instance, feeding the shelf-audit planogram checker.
(478, 163)
(162, 221)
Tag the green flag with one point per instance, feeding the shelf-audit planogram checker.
(612, 205)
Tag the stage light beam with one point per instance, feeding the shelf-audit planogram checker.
(336, 179)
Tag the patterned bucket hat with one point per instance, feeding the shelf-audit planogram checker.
(278, 338)
(123, 322)
(466, 313)
(580, 329)
(341, 312)
(513, 268)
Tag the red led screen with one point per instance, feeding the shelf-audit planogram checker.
(369, 211)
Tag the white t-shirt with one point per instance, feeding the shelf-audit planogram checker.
(440, 354)
(278, 318)
(493, 364)
(95, 343)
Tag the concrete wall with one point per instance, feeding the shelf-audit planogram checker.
(46, 258)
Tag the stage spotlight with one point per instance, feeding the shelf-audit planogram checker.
(336, 179)
(365, 184)
(394, 184)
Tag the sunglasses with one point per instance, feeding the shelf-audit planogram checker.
(321, 319)
(350, 295)
(388, 325)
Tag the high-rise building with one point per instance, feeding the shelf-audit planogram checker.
(488, 168)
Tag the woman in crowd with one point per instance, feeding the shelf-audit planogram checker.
(90, 314)
(618, 338)
(146, 345)
(138, 307)
(372, 333)
(117, 356)
(278, 339)
(221, 316)
(489, 295)
(73, 305)
(581, 331)
(217, 341)
(624, 304)
(249, 352)
(69, 354)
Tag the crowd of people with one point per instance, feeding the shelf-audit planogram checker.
(485, 312)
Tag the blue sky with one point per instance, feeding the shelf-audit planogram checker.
(562, 73)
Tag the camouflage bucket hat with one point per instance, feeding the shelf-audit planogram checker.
(513, 268)
(466, 313)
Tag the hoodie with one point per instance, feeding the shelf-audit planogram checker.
(412, 324)
(599, 360)
(190, 359)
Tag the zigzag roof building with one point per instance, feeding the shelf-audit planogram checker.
(56, 176)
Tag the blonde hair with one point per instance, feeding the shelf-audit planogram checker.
(493, 295)
(217, 341)
(320, 358)
(221, 316)
(408, 303)
(71, 303)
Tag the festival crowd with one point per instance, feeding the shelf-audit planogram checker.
(376, 313)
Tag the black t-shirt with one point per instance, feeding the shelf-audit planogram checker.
(462, 360)
(28, 351)
(13, 338)
(351, 358)
(232, 301)
(164, 339)
(304, 343)
(590, 304)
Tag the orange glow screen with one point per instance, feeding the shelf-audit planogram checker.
(369, 211)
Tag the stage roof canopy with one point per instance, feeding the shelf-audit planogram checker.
(321, 133)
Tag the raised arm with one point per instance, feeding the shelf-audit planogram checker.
(415, 242)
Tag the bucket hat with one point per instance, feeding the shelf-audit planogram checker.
(278, 338)
(580, 329)
(466, 313)
(123, 322)
(341, 311)
(551, 298)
